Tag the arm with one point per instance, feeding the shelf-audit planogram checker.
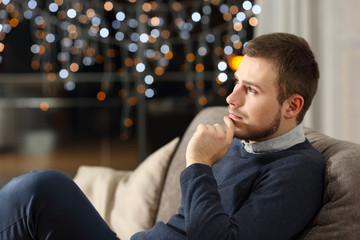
(280, 205)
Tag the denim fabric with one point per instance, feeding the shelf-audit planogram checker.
(48, 205)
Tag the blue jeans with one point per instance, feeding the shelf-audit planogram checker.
(48, 205)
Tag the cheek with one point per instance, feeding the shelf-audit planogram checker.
(262, 112)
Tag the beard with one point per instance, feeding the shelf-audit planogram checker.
(249, 132)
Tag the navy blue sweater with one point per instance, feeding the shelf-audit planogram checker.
(247, 196)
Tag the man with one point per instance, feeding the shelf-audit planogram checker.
(266, 183)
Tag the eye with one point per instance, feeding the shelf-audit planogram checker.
(252, 90)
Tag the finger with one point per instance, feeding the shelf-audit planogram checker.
(201, 126)
(218, 128)
(230, 128)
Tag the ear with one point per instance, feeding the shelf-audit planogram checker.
(292, 106)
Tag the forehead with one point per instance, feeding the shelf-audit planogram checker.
(258, 70)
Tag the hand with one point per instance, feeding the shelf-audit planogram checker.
(209, 143)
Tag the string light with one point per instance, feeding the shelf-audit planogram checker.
(133, 42)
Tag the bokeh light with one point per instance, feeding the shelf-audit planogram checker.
(145, 42)
(234, 62)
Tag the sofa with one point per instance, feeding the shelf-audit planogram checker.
(132, 201)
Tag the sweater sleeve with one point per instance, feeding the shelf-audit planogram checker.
(283, 201)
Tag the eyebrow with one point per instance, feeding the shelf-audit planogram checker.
(249, 83)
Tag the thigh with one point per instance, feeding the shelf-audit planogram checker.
(48, 205)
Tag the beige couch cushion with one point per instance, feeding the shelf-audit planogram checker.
(127, 200)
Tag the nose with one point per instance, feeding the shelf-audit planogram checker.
(235, 98)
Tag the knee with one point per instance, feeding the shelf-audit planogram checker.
(39, 182)
(33, 187)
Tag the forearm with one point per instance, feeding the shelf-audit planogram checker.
(204, 215)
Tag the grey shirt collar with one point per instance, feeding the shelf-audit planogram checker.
(285, 141)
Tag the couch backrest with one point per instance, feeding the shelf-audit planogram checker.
(339, 217)
(170, 197)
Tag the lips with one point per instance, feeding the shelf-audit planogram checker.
(235, 115)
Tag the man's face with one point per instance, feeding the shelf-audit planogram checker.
(253, 104)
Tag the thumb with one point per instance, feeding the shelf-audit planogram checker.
(230, 128)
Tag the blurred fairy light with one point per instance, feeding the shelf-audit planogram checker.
(132, 40)
(222, 65)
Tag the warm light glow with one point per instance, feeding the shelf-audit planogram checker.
(253, 21)
(129, 62)
(234, 62)
(238, 26)
(165, 34)
(44, 106)
(35, 65)
(90, 52)
(137, 61)
(83, 19)
(71, 28)
(40, 34)
(169, 55)
(74, 67)
(132, 101)
(202, 101)
(218, 81)
(234, 9)
(101, 96)
(146, 7)
(10, 8)
(48, 67)
(51, 77)
(110, 53)
(199, 67)
(219, 51)
(128, 122)
(141, 88)
(155, 21)
(2, 36)
(41, 49)
(108, 6)
(237, 44)
(14, 22)
(78, 7)
(227, 16)
(154, 5)
(215, 2)
(90, 13)
(61, 14)
(190, 57)
(59, 2)
(159, 70)
(2, 46)
(176, 6)
(94, 29)
(143, 18)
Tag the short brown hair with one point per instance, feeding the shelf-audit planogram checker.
(297, 68)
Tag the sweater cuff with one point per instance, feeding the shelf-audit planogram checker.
(195, 170)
